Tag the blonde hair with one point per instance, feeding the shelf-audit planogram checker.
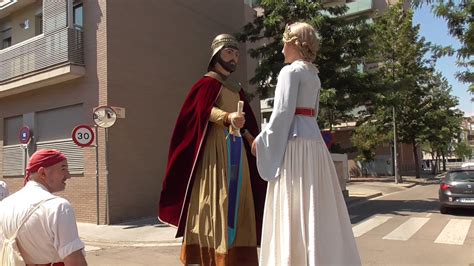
(304, 37)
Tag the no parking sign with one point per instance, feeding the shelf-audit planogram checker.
(25, 135)
(83, 135)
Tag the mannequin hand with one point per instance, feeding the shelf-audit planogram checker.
(236, 120)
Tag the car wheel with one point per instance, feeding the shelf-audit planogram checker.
(444, 210)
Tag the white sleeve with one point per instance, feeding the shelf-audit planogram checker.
(272, 141)
(66, 236)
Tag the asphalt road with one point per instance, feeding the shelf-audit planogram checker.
(406, 228)
(401, 228)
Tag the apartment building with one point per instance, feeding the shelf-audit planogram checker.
(59, 59)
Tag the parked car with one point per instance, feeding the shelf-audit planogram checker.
(456, 190)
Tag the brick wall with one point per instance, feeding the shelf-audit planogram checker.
(87, 90)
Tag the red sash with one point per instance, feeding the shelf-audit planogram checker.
(305, 111)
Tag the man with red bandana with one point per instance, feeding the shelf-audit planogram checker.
(49, 235)
(212, 191)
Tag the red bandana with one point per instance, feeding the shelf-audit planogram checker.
(42, 158)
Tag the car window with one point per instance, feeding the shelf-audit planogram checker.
(462, 176)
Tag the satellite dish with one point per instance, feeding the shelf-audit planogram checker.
(104, 116)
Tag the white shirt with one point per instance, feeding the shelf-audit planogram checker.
(50, 234)
(298, 86)
(3, 190)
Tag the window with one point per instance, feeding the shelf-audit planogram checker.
(12, 127)
(13, 155)
(6, 36)
(57, 123)
(7, 42)
(78, 15)
(53, 130)
(38, 24)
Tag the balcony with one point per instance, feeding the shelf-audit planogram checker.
(41, 61)
(41, 45)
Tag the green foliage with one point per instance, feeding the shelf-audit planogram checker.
(459, 16)
(403, 70)
(463, 150)
(344, 43)
(366, 138)
(404, 78)
(424, 109)
(442, 119)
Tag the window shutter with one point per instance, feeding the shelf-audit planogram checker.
(13, 162)
(74, 154)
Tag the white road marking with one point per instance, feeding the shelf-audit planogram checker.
(454, 232)
(368, 225)
(407, 229)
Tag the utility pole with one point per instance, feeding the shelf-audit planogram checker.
(395, 157)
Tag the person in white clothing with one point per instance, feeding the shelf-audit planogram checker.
(49, 236)
(305, 217)
(3, 190)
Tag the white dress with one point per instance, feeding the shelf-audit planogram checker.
(305, 219)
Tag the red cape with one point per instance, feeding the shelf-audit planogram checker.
(188, 136)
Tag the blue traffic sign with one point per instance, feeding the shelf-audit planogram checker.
(25, 135)
(328, 138)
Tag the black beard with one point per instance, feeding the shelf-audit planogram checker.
(228, 66)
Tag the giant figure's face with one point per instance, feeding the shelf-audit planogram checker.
(228, 58)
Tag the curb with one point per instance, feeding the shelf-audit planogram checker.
(359, 200)
(104, 243)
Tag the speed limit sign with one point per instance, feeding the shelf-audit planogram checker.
(83, 135)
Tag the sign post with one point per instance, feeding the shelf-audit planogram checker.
(25, 138)
(83, 136)
(104, 117)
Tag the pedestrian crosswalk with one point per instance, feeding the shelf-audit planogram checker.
(454, 231)
(368, 225)
(406, 230)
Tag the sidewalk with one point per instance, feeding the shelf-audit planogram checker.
(363, 189)
(139, 233)
(150, 232)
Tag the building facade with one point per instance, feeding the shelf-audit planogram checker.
(61, 59)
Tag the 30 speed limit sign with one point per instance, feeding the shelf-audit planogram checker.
(83, 135)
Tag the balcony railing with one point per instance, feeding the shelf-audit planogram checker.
(41, 53)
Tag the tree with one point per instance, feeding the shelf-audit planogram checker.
(412, 93)
(442, 119)
(463, 150)
(343, 45)
(366, 138)
(404, 70)
(460, 20)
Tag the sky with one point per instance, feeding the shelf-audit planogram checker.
(435, 30)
